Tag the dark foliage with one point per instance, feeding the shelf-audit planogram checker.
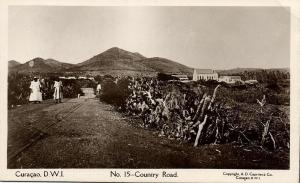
(165, 77)
(71, 88)
(172, 109)
(19, 91)
(113, 93)
(265, 76)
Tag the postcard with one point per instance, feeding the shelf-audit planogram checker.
(150, 91)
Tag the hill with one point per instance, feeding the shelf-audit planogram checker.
(116, 60)
(113, 59)
(40, 65)
(13, 63)
(57, 64)
(165, 66)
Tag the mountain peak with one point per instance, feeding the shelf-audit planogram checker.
(113, 57)
(37, 59)
(120, 51)
(114, 48)
(50, 59)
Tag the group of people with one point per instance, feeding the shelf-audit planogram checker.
(36, 86)
(170, 110)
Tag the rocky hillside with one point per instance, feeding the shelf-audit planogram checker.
(40, 65)
(13, 63)
(112, 61)
(165, 66)
(119, 60)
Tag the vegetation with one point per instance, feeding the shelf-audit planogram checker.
(261, 75)
(19, 91)
(113, 93)
(244, 114)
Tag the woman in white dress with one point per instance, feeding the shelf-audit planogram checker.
(57, 91)
(35, 95)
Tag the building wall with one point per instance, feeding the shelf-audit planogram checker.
(228, 79)
(225, 79)
(213, 76)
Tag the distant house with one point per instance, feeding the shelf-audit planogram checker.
(251, 81)
(82, 77)
(181, 77)
(230, 79)
(204, 74)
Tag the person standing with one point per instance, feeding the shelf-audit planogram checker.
(43, 87)
(57, 91)
(98, 89)
(35, 95)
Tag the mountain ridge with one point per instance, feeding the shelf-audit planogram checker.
(13, 63)
(240, 70)
(115, 61)
(40, 65)
(113, 53)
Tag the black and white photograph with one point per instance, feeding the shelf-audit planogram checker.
(149, 87)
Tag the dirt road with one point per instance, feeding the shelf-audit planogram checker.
(85, 133)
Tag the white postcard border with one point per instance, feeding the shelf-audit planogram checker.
(185, 175)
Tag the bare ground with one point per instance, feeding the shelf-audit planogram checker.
(85, 133)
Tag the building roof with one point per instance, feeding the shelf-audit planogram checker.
(235, 77)
(251, 81)
(204, 71)
(231, 77)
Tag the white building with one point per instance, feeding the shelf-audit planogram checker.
(230, 79)
(251, 81)
(204, 74)
(181, 77)
(82, 77)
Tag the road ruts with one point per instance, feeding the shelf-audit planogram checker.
(42, 131)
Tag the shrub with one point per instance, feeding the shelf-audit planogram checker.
(165, 77)
(195, 112)
(71, 88)
(19, 91)
(115, 94)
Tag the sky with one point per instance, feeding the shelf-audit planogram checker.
(199, 37)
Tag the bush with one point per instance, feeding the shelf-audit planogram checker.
(19, 91)
(165, 77)
(115, 94)
(83, 83)
(249, 94)
(274, 86)
(71, 88)
(177, 109)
